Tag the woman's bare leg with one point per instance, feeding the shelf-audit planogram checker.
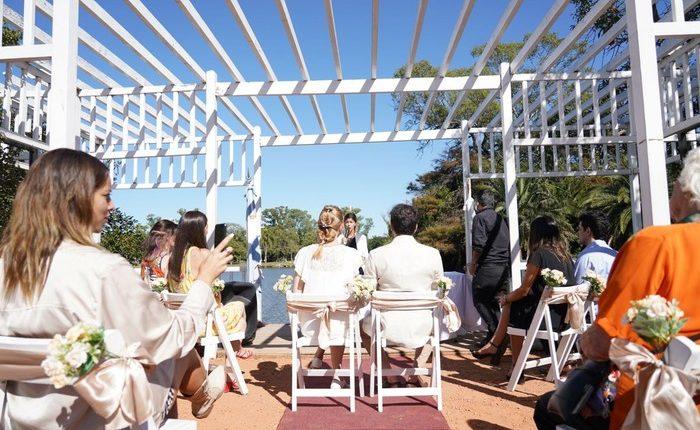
(500, 333)
(337, 356)
(319, 353)
(194, 374)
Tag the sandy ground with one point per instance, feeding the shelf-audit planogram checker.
(474, 395)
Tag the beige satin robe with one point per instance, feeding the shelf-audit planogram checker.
(89, 284)
(405, 265)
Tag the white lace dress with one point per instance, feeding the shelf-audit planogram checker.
(329, 274)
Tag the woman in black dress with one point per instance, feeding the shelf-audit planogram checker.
(548, 250)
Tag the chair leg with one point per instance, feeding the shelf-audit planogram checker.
(372, 358)
(566, 344)
(378, 352)
(351, 364)
(358, 348)
(230, 354)
(553, 353)
(437, 368)
(295, 361)
(529, 340)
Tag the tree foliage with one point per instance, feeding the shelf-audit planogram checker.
(124, 235)
(10, 177)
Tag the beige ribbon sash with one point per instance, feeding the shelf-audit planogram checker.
(451, 318)
(576, 301)
(117, 389)
(322, 311)
(662, 394)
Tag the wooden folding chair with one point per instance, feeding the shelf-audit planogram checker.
(42, 345)
(379, 342)
(566, 338)
(352, 342)
(211, 341)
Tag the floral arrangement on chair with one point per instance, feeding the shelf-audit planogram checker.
(598, 283)
(656, 320)
(158, 285)
(217, 286)
(553, 278)
(443, 285)
(75, 354)
(361, 288)
(284, 284)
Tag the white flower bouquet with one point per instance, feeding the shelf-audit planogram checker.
(284, 284)
(362, 288)
(598, 283)
(75, 354)
(553, 278)
(656, 320)
(217, 286)
(159, 284)
(444, 285)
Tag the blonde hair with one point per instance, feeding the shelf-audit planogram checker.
(53, 203)
(330, 221)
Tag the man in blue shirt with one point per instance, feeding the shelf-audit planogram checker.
(596, 256)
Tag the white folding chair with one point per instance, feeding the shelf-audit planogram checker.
(352, 342)
(682, 353)
(567, 338)
(379, 342)
(41, 345)
(211, 341)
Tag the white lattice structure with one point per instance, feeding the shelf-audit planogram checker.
(623, 118)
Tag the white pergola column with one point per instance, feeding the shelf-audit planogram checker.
(211, 159)
(64, 106)
(467, 195)
(254, 220)
(511, 192)
(646, 107)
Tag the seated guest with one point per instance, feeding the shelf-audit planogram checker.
(326, 268)
(661, 260)
(156, 250)
(189, 251)
(547, 249)
(596, 256)
(246, 293)
(53, 276)
(405, 265)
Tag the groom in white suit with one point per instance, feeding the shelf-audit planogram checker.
(405, 265)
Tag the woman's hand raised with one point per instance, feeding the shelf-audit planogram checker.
(216, 261)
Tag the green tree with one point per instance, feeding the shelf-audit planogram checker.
(239, 242)
(151, 219)
(10, 177)
(124, 235)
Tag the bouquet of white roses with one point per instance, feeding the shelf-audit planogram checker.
(444, 285)
(656, 320)
(75, 354)
(553, 278)
(362, 288)
(284, 284)
(159, 284)
(597, 282)
(217, 286)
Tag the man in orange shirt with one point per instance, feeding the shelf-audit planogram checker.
(661, 260)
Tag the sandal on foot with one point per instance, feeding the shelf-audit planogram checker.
(480, 355)
(244, 353)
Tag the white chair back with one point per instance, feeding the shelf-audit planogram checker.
(683, 354)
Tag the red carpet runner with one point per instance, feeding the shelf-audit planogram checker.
(405, 413)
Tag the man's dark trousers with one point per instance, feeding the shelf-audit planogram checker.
(488, 282)
(244, 292)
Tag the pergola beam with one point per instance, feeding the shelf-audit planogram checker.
(451, 49)
(373, 61)
(330, 18)
(201, 26)
(376, 137)
(298, 54)
(422, 4)
(260, 55)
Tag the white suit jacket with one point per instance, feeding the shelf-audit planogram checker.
(405, 265)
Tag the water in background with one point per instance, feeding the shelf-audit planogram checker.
(273, 305)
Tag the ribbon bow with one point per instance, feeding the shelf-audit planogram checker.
(117, 389)
(451, 319)
(322, 311)
(662, 394)
(576, 302)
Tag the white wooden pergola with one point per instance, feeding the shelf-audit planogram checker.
(609, 120)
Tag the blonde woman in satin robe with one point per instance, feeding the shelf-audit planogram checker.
(53, 276)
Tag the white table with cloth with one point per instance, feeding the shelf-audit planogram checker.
(461, 295)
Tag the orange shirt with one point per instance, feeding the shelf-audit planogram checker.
(658, 260)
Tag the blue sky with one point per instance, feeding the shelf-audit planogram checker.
(370, 176)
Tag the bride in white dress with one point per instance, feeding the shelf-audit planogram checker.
(326, 268)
